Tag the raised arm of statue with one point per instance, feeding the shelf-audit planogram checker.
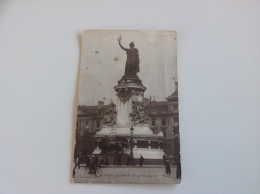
(122, 46)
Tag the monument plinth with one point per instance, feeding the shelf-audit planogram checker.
(128, 91)
(130, 113)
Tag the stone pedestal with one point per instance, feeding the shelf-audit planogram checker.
(129, 113)
(129, 89)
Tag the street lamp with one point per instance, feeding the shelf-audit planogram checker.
(131, 160)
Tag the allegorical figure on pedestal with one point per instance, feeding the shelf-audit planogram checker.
(110, 117)
(138, 114)
(132, 61)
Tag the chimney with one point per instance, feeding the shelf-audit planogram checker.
(176, 86)
(100, 103)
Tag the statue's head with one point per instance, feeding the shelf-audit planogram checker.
(131, 44)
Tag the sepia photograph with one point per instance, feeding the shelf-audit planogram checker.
(127, 126)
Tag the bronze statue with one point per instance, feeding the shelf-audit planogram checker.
(108, 146)
(138, 114)
(110, 117)
(132, 61)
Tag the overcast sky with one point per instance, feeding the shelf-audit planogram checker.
(103, 63)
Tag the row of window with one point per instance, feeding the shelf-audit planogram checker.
(98, 123)
(87, 123)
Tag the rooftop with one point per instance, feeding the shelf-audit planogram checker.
(159, 103)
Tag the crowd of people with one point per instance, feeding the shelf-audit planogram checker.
(91, 162)
(94, 161)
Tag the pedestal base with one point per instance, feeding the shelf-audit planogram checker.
(131, 162)
(139, 130)
(142, 133)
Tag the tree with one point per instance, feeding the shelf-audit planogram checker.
(86, 144)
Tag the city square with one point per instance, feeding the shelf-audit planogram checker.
(135, 175)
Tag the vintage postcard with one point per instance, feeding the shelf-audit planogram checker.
(127, 128)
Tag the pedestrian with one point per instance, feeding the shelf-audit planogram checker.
(141, 160)
(167, 166)
(114, 160)
(178, 170)
(96, 161)
(92, 165)
(87, 160)
(102, 162)
(107, 160)
(78, 162)
(164, 159)
(74, 173)
(119, 160)
(74, 167)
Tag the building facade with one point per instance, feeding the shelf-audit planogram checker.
(164, 115)
(90, 118)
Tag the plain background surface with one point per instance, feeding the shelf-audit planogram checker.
(219, 91)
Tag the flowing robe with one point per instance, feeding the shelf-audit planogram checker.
(132, 62)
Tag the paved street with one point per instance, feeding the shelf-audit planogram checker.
(124, 174)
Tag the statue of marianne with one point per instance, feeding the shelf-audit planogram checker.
(132, 61)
